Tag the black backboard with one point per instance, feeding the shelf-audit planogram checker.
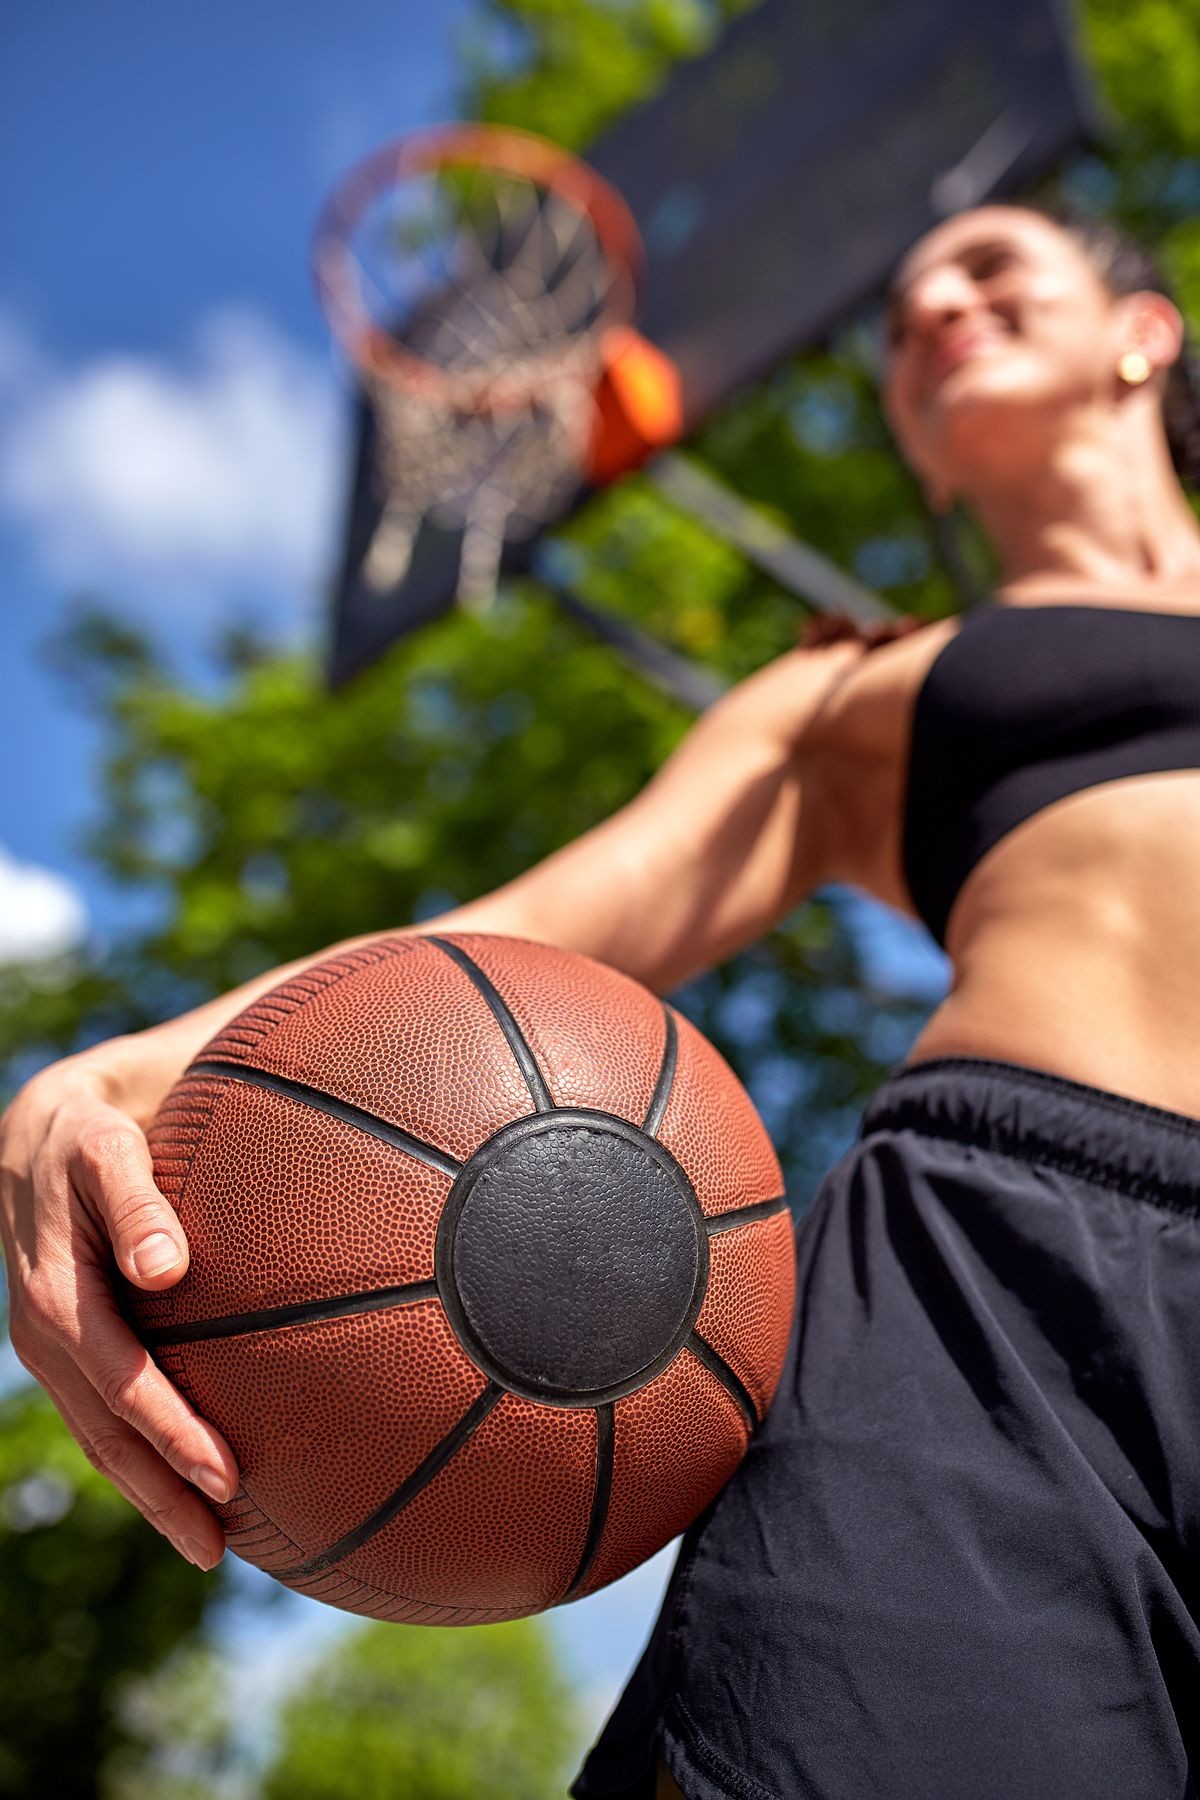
(776, 181)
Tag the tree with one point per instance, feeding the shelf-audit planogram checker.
(432, 1713)
(89, 1597)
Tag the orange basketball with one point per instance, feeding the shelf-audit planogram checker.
(491, 1274)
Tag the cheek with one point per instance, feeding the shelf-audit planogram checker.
(1085, 358)
(1063, 340)
(1056, 363)
(1049, 363)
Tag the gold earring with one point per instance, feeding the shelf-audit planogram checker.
(1134, 367)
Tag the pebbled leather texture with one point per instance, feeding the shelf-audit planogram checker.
(503, 1231)
(677, 1442)
(746, 1315)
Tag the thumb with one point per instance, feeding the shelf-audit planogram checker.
(113, 1172)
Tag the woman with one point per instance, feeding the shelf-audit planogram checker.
(954, 1562)
(960, 1559)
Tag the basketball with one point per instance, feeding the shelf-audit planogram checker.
(491, 1274)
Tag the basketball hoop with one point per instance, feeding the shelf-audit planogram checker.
(477, 277)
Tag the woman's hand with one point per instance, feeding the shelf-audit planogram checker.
(76, 1191)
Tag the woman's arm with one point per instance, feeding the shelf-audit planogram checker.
(704, 860)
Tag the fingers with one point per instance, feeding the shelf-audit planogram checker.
(111, 1170)
(85, 1326)
(112, 1173)
(136, 1471)
(827, 628)
(76, 1189)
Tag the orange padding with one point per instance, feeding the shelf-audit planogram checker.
(639, 405)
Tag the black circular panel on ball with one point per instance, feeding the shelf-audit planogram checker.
(572, 1257)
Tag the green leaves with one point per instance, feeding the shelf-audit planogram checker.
(89, 1596)
(1146, 57)
(436, 1712)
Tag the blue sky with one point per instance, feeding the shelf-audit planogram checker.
(172, 433)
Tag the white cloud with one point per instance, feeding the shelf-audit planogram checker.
(167, 480)
(41, 915)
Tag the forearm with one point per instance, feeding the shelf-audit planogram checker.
(557, 901)
(705, 859)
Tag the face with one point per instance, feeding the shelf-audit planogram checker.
(999, 329)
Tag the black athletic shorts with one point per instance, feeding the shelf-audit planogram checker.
(961, 1560)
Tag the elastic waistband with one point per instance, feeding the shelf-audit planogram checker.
(1110, 1139)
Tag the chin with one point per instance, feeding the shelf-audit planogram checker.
(982, 418)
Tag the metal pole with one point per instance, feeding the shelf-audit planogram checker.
(793, 564)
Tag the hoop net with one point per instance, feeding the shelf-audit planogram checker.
(472, 275)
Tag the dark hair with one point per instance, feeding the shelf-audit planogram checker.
(1125, 266)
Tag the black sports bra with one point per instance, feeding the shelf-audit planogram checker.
(1027, 704)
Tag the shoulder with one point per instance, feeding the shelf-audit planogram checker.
(843, 689)
(784, 697)
(868, 713)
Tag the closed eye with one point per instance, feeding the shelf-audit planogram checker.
(993, 259)
(981, 260)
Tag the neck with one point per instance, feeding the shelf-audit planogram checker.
(1103, 511)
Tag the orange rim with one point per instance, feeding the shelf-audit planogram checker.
(502, 147)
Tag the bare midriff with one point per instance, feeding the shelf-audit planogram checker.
(1073, 941)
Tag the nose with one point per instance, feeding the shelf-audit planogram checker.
(939, 295)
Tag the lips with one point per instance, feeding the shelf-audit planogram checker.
(956, 350)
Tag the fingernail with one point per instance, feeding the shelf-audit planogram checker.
(213, 1483)
(156, 1254)
(195, 1552)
